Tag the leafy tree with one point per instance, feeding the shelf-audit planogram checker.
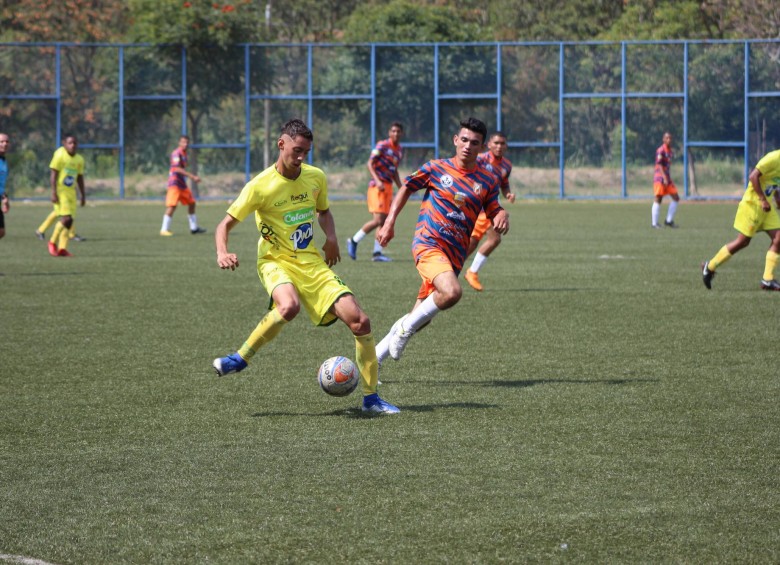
(403, 21)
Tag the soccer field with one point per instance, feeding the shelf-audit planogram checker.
(595, 403)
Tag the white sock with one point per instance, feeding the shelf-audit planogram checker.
(672, 210)
(166, 225)
(378, 248)
(383, 348)
(479, 260)
(359, 235)
(656, 210)
(193, 221)
(421, 315)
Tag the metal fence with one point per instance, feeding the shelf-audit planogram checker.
(583, 119)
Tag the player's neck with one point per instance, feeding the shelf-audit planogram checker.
(289, 174)
(466, 166)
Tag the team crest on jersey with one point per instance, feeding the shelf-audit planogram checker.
(459, 198)
(301, 237)
(489, 167)
(446, 181)
(477, 188)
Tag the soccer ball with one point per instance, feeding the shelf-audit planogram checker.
(338, 376)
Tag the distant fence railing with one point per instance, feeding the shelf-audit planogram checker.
(583, 119)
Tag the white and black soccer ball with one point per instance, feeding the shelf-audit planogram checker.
(338, 376)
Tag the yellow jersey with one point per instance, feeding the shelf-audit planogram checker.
(285, 211)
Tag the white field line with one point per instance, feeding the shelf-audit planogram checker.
(22, 560)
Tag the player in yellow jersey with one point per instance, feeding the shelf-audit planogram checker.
(287, 198)
(66, 172)
(757, 212)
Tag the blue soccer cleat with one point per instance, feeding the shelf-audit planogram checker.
(233, 363)
(372, 404)
(380, 258)
(352, 248)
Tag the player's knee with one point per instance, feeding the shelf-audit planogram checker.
(449, 297)
(361, 325)
(288, 309)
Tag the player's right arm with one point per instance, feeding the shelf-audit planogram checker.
(755, 182)
(371, 169)
(387, 231)
(225, 259)
(53, 173)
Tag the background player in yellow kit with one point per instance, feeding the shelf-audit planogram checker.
(66, 172)
(286, 199)
(756, 212)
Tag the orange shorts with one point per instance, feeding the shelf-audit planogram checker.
(664, 189)
(179, 196)
(379, 200)
(481, 227)
(430, 264)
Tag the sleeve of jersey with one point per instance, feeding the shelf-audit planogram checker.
(419, 179)
(322, 198)
(491, 205)
(55, 161)
(505, 180)
(248, 201)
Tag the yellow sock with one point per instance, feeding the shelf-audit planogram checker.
(50, 219)
(365, 357)
(64, 238)
(55, 236)
(720, 257)
(268, 328)
(769, 266)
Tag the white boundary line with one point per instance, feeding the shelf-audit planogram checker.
(22, 560)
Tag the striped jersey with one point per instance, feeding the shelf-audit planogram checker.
(385, 157)
(178, 159)
(663, 160)
(452, 202)
(502, 167)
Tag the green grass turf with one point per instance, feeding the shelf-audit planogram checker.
(595, 403)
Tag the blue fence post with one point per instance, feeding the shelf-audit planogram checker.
(561, 144)
(121, 140)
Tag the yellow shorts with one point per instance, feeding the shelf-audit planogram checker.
(430, 264)
(67, 203)
(751, 218)
(317, 285)
(481, 226)
(181, 196)
(379, 200)
(660, 189)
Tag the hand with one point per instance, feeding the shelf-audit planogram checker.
(765, 205)
(227, 261)
(332, 253)
(501, 222)
(83, 201)
(385, 234)
(195, 178)
(511, 197)
(54, 198)
(5, 204)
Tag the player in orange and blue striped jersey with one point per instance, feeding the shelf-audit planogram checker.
(456, 191)
(383, 166)
(493, 159)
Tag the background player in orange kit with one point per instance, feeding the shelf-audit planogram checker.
(494, 160)
(383, 166)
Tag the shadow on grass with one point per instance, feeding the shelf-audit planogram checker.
(48, 274)
(358, 413)
(525, 383)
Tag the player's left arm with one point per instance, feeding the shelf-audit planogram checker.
(331, 247)
(80, 182)
(497, 214)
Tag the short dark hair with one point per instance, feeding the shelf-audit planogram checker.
(398, 125)
(296, 127)
(497, 133)
(475, 125)
(187, 137)
(67, 135)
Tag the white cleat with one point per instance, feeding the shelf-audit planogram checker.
(399, 339)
